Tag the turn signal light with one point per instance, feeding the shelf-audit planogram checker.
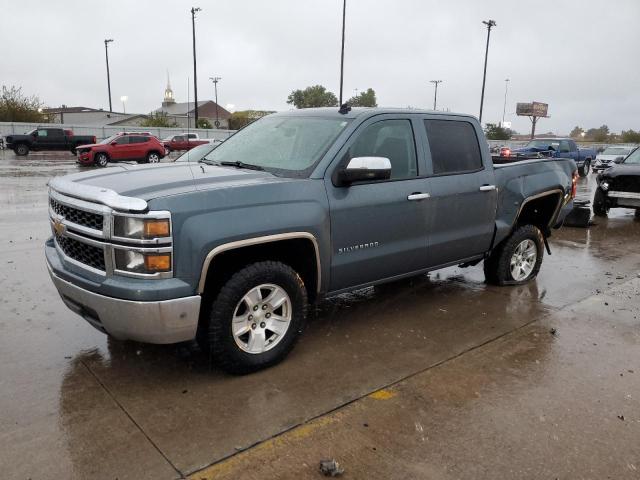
(157, 263)
(156, 228)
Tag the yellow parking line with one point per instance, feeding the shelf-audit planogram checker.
(383, 394)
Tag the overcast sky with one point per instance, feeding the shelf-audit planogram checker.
(581, 57)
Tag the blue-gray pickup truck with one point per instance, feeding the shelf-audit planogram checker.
(297, 206)
(560, 148)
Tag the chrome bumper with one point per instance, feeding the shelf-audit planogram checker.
(166, 321)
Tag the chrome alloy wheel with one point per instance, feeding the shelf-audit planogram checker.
(523, 260)
(261, 318)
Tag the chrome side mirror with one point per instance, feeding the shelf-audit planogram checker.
(361, 169)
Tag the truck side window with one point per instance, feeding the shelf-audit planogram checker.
(42, 133)
(392, 139)
(454, 146)
(564, 147)
(54, 132)
(178, 139)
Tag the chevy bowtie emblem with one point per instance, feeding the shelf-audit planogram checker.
(59, 227)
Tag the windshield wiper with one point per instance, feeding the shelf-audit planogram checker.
(239, 164)
(208, 162)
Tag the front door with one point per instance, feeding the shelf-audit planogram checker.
(120, 151)
(462, 207)
(378, 229)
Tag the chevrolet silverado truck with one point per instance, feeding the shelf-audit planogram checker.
(619, 186)
(559, 148)
(230, 250)
(45, 138)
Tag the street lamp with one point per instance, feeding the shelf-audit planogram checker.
(504, 109)
(435, 94)
(489, 24)
(195, 74)
(106, 52)
(344, 12)
(215, 81)
(124, 99)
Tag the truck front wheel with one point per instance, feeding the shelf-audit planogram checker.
(256, 318)
(517, 260)
(21, 150)
(584, 170)
(600, 207)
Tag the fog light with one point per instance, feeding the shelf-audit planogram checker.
(604, 186)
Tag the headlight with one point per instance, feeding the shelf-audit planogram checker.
(145, 263)
(141, 228)
(604, 185)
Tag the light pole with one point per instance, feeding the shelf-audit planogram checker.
(435, 94)
(504, 109)
(124, 99)
(344, 12)
(195, 73)
(106, 53)
(215, 81)
(489, 24)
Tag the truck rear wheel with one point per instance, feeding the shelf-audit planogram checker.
(256, 318)
(21, 150)
(600, 207)
(517, 259)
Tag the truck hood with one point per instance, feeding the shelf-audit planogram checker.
(147, 182)
(621, 170)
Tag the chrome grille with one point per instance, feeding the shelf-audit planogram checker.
(79, 217)
(82, 252)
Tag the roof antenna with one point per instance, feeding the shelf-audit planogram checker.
(344, 109)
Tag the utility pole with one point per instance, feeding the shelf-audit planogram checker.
(504, 109)
(435, 94)
(106, 53)
(489, 24)
(344, 12)
(195, 73)
(215, 81)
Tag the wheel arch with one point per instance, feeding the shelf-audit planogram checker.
(292, 248)
(540, 210)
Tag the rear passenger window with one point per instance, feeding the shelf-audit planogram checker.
(454, 146)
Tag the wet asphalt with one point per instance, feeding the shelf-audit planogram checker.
(438, 377)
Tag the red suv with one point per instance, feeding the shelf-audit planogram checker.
(139, 147)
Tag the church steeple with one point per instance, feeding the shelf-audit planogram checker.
(168, 93)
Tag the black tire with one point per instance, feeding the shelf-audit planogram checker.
(600, 207)
(497, 268)
(153, 157)
(101, 159)
(21, 150)
(215, 332)
(584, 170)
(637, 214)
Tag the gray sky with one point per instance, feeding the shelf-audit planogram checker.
(581, 57)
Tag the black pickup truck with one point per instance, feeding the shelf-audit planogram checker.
(46, 138)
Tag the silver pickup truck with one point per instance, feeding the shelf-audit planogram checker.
(297, 206)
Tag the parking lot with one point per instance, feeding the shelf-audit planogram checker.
(437, 377)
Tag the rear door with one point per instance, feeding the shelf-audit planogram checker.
(377, 230)
(462, 206)
(138, 147)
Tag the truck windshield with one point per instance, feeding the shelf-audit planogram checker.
(286, 146)
(616, 151)
(634, 158)
(543, 144)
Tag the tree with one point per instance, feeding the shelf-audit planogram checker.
(364, 99)
(243, 118)
(160, 119)
(204, 123)
(310, 97)
(598, 134)
(496, 132)
(16, 107)
(576, 132)
(630, 136)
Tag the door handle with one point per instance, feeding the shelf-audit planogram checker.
(418, 196)
(487, 188)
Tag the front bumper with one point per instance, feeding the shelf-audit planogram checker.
(161, 321)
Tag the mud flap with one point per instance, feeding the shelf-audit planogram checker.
(546, 244)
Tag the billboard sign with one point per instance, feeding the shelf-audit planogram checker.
(533, 109)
